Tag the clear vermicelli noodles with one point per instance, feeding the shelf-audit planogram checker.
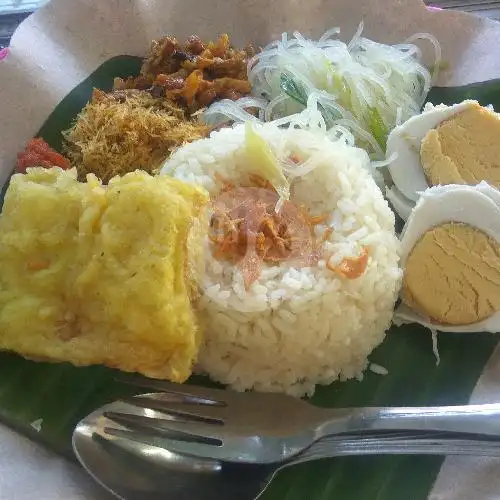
(363, 86)
(301, 321)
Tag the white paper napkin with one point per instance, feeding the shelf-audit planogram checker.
(64, 53)
(30, 472)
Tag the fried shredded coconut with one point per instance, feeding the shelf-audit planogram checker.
(245, 228)
(193, 74)
(127, 130)
(39, 154)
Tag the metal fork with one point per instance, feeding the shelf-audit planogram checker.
(267, 428)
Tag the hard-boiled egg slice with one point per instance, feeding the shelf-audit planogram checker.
(451, 260)
(413, 150)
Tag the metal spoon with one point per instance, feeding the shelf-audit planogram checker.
(127, 465)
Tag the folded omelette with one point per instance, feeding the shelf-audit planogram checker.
(94, 274)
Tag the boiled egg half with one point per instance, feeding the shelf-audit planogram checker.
(451, 260)
(456, 144)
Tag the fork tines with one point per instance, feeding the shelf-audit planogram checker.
(178, 393)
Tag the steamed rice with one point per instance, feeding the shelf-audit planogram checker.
(297, 327)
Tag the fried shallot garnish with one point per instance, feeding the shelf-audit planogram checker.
(246, 228)
(351, 267)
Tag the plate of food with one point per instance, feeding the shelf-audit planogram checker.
(243, 196)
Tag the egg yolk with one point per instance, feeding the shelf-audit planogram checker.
(452, 275)
(463, 149)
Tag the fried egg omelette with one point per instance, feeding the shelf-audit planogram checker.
(93, 274)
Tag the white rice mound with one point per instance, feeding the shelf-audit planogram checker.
(297, 327)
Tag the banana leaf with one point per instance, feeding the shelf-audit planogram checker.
(44, 401)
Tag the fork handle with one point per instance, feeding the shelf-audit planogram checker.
(481, 419)
(397, 444)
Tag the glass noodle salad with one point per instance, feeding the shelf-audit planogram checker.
(358, 90)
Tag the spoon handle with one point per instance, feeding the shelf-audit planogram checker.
(397, 444)
(483, 420)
